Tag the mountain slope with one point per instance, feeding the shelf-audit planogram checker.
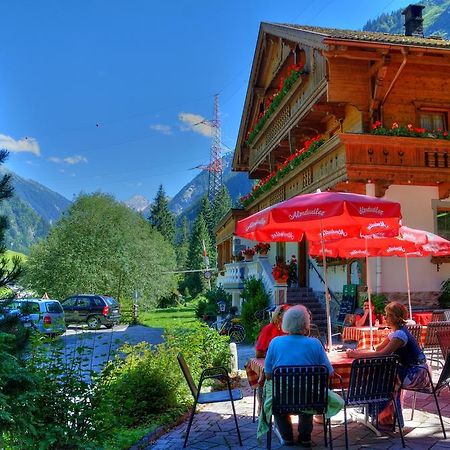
(186, 201)
(436, 19)
(30, 212)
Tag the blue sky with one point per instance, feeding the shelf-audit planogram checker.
(103, 95)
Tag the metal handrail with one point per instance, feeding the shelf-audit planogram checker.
(333, 296)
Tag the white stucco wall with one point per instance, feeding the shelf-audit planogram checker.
(417, 212)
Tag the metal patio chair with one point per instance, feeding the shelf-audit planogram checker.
(228, 395)
(372, 380)
(431, 343)
(416, 331)
(443, 382)
(438, 316)
(443, 337)
(298, 389)
(447, 315)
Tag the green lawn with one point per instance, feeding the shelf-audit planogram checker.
(163, 318)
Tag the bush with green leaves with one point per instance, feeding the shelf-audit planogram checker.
(207, 302)
(51, 402)
(200, 345)
(444, 295)
(255, 299)
(140, 384)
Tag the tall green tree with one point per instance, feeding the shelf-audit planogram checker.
(221, 205)
(195, 281)
(101, 246)
(182, 247)
(9, 270)
(161, 217)
(206, 210)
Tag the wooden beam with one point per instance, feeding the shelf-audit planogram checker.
(354, 54)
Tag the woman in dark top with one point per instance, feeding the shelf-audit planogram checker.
(401, 343)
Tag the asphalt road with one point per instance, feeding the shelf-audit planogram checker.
(96, 347)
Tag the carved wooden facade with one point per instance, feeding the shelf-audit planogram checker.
(351, 81)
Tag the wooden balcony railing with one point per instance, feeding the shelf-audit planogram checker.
(295, 105)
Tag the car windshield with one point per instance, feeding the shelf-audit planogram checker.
(53, 307)
(111, 301)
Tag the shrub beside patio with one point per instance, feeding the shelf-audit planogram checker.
(136, 393)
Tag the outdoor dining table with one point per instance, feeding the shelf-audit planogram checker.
(341, 365)
(362, 335)
(339, 360)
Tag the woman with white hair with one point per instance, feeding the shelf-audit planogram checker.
(270, 331)
(294, 349)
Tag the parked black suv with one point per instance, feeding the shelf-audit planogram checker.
(95, 310)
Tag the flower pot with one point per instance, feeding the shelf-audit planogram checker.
(248, 258)
(282, 280)
(263, 253)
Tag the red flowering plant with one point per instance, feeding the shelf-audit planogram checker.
(271, 103)
(262, 247)
(309, 147)
(280, 271)
(408, 131)
(248, 251)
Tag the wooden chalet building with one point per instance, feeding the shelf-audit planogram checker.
(380, 104)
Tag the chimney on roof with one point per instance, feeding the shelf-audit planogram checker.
(413, 20)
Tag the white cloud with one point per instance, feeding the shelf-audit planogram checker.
(26, 144)
(160, 128)
(75, 159)
(195, 123)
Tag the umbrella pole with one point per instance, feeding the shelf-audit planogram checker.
(369, 295)
(327, 293)
(408, 286)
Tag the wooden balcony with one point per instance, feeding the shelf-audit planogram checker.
(297, 103)
(397, 160)
(348, 161)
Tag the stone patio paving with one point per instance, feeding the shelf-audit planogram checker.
(213, 426)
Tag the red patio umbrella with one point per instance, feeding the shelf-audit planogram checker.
(322, 216)
(410, 243)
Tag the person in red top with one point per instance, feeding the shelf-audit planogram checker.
(362, 320)
(271, 330)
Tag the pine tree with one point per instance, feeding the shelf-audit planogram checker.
(160, 216)
(196, 281)
(208, 215)
(9, 271)
(182, 247)
(221, 205)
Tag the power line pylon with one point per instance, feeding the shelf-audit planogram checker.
(215, 167)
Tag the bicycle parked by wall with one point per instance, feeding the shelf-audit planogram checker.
(230, 326)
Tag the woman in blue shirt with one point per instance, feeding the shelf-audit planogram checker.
(296, 348)
(401, 343)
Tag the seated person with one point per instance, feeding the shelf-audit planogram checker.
(271, 330)
(401, 343)
(362, 316)
(297, 348)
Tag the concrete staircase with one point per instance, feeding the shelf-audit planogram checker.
(305, 296)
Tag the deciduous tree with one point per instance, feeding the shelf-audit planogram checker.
(101, 246)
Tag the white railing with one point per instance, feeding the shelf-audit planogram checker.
(259, 268)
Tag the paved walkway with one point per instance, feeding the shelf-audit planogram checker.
(213, 428)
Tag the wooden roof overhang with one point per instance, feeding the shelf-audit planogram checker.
(385, 60)
(241, 158)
